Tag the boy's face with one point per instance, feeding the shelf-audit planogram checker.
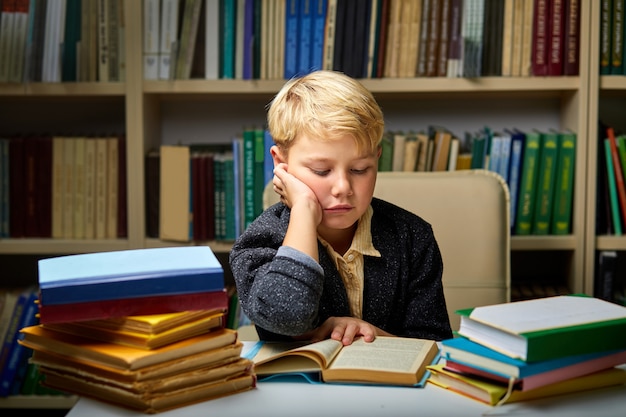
(342, 178)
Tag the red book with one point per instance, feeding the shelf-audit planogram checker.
(571, 48)
(139, 306)
(556, 37)
(541, 19)
(617, 169)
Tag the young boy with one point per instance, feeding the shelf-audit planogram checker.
(330, 260)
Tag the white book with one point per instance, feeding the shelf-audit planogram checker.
(151, 21)
(167, 36)
(212, 40)
(18, 51)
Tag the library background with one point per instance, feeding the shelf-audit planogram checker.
(100, 99)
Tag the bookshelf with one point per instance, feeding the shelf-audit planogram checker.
(606, 100)
(165, 112)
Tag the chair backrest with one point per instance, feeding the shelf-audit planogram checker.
(469, 213)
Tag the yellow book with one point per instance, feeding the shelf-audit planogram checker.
(146, 332)
(494, 394)
(120, 356)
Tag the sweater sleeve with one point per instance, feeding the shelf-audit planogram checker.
(279, 287)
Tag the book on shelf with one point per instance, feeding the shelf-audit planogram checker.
(515, 172)
(605, 277)
(175, 214)
(473, 359)
(618, 172)
(540, 38)
(528, 183)
(564, 184)
(544, 192)
(384, 361)
(146, 332)
(187, 38)
(613, 190)
(571, 56)
(13, 354)
(495, 394)
(167, 38)
(129, 273)
(547, 328)
(134, 306)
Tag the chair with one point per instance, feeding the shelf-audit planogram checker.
(469, 213)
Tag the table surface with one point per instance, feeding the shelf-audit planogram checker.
(303, 399)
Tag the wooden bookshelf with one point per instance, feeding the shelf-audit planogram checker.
(150, 111)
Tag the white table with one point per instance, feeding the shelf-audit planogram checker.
(301, 399)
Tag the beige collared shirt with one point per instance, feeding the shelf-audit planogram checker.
(350, 265)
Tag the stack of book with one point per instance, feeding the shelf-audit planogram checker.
(534, 348)
(143, 329)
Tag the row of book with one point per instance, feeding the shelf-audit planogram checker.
(534, 348)
(611, 182)
(144, 329)
(280, 39)
(18, 309)
(62, 41)
(206, 192)
(63, 187)
(538, 167)
(612, 47)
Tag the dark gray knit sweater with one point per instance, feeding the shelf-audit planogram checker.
(287, 295)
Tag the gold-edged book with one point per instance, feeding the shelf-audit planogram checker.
(146, 332)
(120, 356)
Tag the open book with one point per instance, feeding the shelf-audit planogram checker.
(385, 361)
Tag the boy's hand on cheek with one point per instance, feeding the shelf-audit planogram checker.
(294, 192)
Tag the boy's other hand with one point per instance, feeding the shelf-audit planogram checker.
(345, 330)
(294, 192)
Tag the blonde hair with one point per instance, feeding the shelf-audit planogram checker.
(325, 105)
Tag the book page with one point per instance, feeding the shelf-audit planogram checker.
(390, 354)
(322, 352)
(547, 313)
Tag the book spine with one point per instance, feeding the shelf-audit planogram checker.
(248, 40)
(24, 318)
(540, 38)
(526, 201)
(228, 32)
(305, 36)
(168, 36)
(248, 176)
(317, 36)
(613, 198)
(291, 39)
(618, 173)
(606, 23)
(556, 38)
(572, 38)
(562, 213)
(212, 39)
(545, 184)
(517, 149)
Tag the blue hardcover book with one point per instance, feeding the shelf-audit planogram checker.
(291, 39)
(25, 315)
(248, 39)
(268, 162)
(318, 27)
(304, 29)
(515, 171)
(129, 273)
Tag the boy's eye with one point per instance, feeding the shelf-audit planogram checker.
(322, 173)
(360, 171)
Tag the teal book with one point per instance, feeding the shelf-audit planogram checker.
(547, 328)
(248, 176)
(71, 40)
(259, 170)
(613, 199)
(544, 197)
(129, 273)
(564, 186)
(228, 20)
(385, 161)
(528, 181)
(479, 143)
(220, 207)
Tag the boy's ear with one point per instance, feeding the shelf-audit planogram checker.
(277, 155)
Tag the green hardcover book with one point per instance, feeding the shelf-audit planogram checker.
(606, 36)
(248, 176)
(615, 214)
(526, 198)
(478, 152)
(544, 198)
(563, 192)
(386, 156)
(547, 328)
